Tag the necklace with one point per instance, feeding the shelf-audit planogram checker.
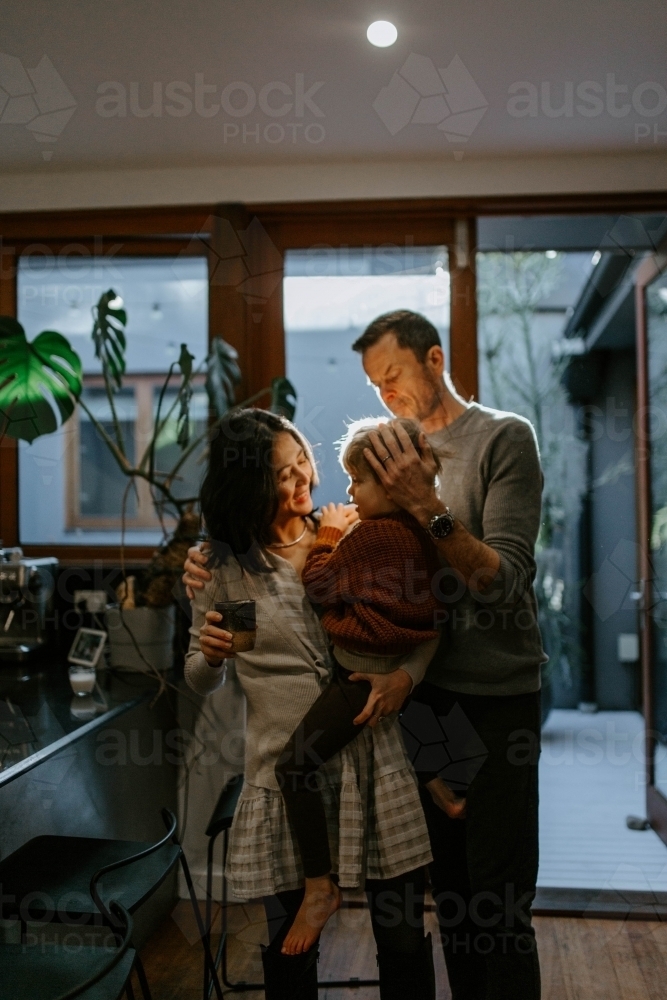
(287, 545)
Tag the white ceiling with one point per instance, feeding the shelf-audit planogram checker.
(498, 42)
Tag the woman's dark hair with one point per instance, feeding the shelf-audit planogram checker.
(239, 496)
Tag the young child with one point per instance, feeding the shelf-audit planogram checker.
(373, 580)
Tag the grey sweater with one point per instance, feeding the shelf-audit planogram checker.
(492, 482)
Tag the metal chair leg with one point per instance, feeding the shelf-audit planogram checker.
(209, 905)
(141, 975)
(220, 959)
(208, 958)
(129, 991)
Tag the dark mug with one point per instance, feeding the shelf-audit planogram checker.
(239, 618)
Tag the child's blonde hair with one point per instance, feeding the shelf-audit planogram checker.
(357, 437)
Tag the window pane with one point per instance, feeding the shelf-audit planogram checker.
(330, 296)
(101, 483)
(168, 452)
(167, 303)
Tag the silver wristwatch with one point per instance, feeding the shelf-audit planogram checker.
(441, 525)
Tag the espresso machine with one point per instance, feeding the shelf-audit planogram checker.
(27, 605)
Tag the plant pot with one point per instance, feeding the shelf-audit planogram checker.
(153, 631)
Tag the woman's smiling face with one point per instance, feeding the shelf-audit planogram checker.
(294, 475)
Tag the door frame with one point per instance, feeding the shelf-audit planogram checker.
(648, 271)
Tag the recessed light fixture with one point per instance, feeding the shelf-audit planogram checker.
(382, 34)
(595, 259)
(552, 254)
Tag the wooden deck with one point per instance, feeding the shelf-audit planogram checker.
(591, 778)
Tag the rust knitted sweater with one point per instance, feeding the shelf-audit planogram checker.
(375, 584)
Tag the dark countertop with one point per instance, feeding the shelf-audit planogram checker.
(40, 714)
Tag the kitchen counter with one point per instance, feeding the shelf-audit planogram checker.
(40, 715)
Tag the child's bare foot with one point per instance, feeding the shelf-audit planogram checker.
(446, 799)
(320, 902)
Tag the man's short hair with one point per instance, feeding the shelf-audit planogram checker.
(411, 329)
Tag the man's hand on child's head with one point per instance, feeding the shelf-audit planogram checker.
(407, 476)
(338, 515)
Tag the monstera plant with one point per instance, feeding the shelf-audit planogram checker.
(41, 383)
(33, 377)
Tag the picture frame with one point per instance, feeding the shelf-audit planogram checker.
(87, 647)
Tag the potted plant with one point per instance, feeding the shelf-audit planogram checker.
(42, 380)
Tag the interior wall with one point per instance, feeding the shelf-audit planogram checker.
(436, 178)
(614, 532)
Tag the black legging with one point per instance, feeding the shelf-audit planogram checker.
(326, 728)
(397, 918)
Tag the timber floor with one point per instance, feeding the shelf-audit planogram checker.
(580, 959)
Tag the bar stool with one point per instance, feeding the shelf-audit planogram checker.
(86, 972)
(220, 823)
(47, 879)
(89, 971)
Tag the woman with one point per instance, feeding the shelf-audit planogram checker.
(257, 506)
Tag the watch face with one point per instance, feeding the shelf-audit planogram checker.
(441, 526)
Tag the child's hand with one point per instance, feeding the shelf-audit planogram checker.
(338, 515)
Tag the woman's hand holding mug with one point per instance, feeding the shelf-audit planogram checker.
(338, 515)
(215, 642)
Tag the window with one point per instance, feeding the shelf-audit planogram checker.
(330, 296)
(97, 491)
(70, 488)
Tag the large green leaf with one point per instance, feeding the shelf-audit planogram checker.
(222, 376)
(109, 336)
(37, 379)
(283, 397)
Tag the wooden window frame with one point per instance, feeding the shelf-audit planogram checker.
(256, 330)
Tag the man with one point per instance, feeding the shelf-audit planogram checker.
(484, 519)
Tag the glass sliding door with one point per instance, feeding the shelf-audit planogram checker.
(525, 300)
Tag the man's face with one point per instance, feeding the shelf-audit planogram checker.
(406, 386)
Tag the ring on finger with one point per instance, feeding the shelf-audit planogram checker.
(386, 458)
